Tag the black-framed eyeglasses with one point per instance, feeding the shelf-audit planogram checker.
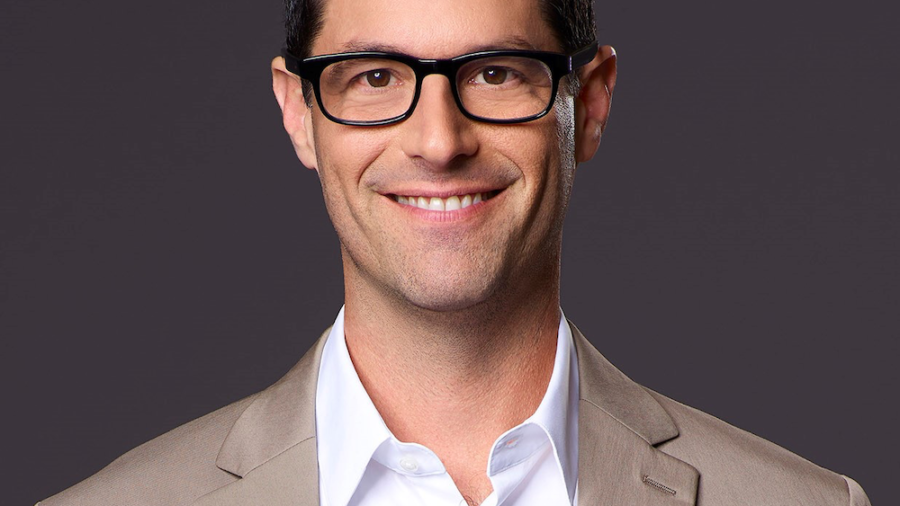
(373, 88)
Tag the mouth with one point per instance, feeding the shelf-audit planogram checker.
(444, 204)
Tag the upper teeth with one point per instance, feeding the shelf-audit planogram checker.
(438, 204)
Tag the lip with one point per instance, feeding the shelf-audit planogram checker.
(442, 192)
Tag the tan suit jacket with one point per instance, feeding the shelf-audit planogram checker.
(636, 447)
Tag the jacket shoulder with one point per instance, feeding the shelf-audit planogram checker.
(171, 470)
(737, 467)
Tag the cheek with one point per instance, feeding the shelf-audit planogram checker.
(344, 154)
(551, 168)
(545, 154)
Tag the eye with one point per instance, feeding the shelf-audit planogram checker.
(492, 75)
(378, 78)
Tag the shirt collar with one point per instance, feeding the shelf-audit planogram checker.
(349, 430)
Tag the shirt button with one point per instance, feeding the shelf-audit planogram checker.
(512, 443)
(409, 464)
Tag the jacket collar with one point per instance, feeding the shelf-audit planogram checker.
(272, 445)
(608, 389)
(280, 417)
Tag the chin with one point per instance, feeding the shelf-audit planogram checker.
(441, 294)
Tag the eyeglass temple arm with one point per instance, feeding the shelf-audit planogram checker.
(583, 56)
(291, 62)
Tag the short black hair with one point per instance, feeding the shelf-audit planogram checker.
(572, 22)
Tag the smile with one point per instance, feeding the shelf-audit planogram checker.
(452, 203)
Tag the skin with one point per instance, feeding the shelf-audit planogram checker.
(450, 318)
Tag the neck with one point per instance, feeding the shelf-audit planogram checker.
(442, 378)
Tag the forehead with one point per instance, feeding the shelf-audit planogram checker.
(432, 28)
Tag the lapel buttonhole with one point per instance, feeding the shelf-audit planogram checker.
(657, 485)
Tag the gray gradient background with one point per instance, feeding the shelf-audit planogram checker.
(734, 245)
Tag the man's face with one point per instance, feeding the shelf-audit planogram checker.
(444, 260)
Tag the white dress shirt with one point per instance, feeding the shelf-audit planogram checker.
(362, 464)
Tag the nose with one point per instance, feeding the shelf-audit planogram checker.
(437, 132)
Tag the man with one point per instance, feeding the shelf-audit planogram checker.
(445, 135)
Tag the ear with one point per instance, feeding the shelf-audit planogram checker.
(598, 79)
(297, 117)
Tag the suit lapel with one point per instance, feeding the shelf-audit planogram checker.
(272, 445)
(288, 479)
(619, 424)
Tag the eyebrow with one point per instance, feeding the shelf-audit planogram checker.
(512, 42)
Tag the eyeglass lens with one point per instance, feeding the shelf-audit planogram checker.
(376, 89)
